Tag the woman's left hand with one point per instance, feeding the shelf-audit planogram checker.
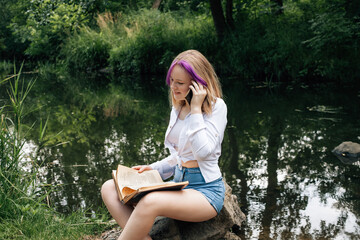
(141, 168)
(199, 94)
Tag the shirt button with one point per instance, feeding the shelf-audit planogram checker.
(170, 126)
(216, 135)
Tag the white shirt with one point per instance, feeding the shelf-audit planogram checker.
(200, 139)
(174, 134)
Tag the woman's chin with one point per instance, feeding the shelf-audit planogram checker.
(179, 98)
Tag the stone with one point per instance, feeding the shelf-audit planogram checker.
(112, 234)
(347, 152)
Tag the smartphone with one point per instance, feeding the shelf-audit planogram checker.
(189, 96)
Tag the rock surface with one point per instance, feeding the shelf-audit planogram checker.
(347, 152)
(219, 227)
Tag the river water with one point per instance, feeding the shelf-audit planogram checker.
(276, 153)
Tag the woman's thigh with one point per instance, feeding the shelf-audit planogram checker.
(186, 205)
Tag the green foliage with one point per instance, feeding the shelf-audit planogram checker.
(267, 48)
(10, 45)
(5, 69)
(86, 50)
(263, 47)
(113, 6)
(16, 184)
(305, 41)
(335, 46)
(194, 6)
(47, 25)
(144, 41)
(263, 50)
(153, 39)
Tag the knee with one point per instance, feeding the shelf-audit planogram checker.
(149, 202)
(107, 189)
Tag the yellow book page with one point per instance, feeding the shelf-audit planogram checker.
(127, 191)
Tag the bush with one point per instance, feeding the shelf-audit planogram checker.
(266, 49)
(335, 46)
(86, 50)
(282, 49)
(153, 39)
(145, 41)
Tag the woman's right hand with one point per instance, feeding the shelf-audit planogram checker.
(199, 94)
(142, 168)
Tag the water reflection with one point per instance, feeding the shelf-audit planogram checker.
(287, 153)
(276, 156)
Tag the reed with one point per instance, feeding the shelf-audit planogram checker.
(24, 209)
(14, 181)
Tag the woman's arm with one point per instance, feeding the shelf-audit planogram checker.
(165, 167)
(206, 133)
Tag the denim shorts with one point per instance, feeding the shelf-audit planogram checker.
(213, 191)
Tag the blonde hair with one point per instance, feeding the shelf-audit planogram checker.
(205, 71)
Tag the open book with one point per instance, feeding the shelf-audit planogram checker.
(131, 185)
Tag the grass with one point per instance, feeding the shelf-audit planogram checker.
(42, 223)
(5, 67)
(24, 211)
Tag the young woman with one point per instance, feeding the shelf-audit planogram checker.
(194, 137)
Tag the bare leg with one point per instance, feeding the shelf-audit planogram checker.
(186, 205)
(118, 211)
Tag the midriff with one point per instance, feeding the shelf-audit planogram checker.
(190, 164)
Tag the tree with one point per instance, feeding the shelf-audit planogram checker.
(229, 17)
(222, 23)
(218, 17)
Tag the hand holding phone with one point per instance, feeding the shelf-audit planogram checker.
(189, 96)
(199, 93)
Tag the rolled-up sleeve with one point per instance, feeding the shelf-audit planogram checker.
(206, 133)
(166, 167)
